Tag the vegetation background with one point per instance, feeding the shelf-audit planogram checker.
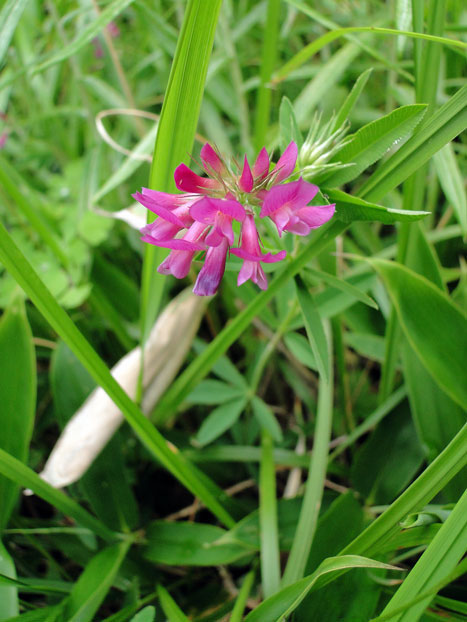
(308, 461)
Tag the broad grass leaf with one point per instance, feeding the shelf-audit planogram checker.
(9, 604)
(314, 328)
(190, 544)
(93, 584)
(435, 328)
(220, 420)
(287, 600)
(372, 141)
(436, 563)
(452, 184)
(368, 345)
(351, 208)
(17, 395)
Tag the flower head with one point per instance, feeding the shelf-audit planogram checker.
(202, 217)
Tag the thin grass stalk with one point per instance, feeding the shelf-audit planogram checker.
(269, 536)
(440, 558)
(268, 61)
(309, 512)
(205, 361)
(176, 131)
(186, 473)
(18, 472)
(244, 592)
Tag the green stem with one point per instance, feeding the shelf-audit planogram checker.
(204, 362)
(269, 537)
(309, 513)
(168, 456)
(244, 592)
(268, 61)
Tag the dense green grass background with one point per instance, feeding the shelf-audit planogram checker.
(308, 461)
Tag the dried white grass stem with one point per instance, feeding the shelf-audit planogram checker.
(95, 422)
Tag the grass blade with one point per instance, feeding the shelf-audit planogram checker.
(23, 272)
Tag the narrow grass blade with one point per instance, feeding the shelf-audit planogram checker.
(351, 100)
(268, 60)
(9, 18)
(205, 361)
(17, 396)
(169, 606)
(283, 603)
(447, 122)
(94, 583)
(372, 141)
(314, 328)
(438, 561)
(176, 131)
(309, 511)
(9, 605)
(18, 472)
(344, 286)
(451, 182)
(243, 593)
(23, 272)
(269, 537)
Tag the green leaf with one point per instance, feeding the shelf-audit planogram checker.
(9, 605)
(206, 360)
(299, 346)
(214, 392)
(314, 328)
(343, 285)
(435, 327)
(177, 127)
(372, 141)
(147, 614)
(445, 124)
(9, 18)
(220, 420)
(351, 99)
(86, 35)
(452, 184)
(288, 124)
(17, 396)
(351, 208)
(190, 544)
(24, 273)
(437, 562)
(93, 584)
(287, 600)
(22, 475)
(266, 418)
(169, 606)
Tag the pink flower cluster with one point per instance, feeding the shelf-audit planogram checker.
(201, 219)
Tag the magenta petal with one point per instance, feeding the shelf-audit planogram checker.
(316, 215)
(261, 166)
(213, 270)
(188, 181)
(211, 160)
(286, 164)
(206, 209)
(176, 244)
(245, 183)
(295, 195)
(161, 211)
(266, 258)
(164, 198)
(160, 229)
